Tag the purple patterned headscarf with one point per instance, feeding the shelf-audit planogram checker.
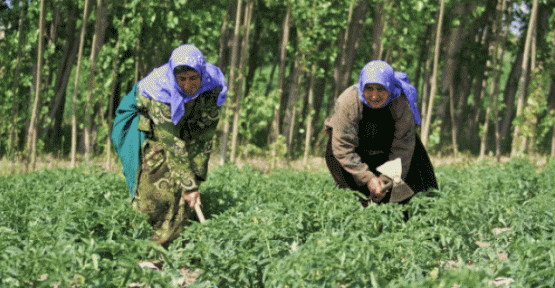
(379, 72)
(161, 84)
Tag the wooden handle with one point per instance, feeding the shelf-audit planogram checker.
(200, 216)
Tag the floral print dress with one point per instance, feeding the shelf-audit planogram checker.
(173, 160)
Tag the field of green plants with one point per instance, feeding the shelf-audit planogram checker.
(485, 225)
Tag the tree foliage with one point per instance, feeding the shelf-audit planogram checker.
(152, 29)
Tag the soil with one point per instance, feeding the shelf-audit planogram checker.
(263, 164)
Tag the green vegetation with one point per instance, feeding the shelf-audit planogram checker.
(70, 227)
(290, 75)
(285, 229)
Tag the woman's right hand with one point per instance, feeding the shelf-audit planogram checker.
(192, 198)
(375, 186)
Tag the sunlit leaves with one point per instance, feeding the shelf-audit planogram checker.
(71, 228)
(294, 229)
(285, 229)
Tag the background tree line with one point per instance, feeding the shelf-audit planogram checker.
(484, 70)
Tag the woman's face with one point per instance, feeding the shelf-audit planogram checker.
(189, 81)
(375, 94)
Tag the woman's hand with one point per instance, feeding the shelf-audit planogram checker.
(192, 198)
(375, 186)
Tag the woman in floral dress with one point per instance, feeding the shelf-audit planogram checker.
(163, 134)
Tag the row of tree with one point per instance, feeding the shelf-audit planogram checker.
(484, 70)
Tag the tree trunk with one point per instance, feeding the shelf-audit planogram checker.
(531, 144)
(98, 40)
(553, 142)
(433, 81)
(476, 112)
(462, 92)
(320, 97)
(452, 66)
(32, 134)
(551, 102)
(271, 78)
(74, 103)
(253, 58)
(543, 28)
(340, 61)
(291, 108)
(108, 163)
(51, 35)
(15, 103)
(309, 113)
(378, 28)
(353, 42)
(482, 73)
(137, 60)
(285, 94)
(515, 149)
(455, 44)
(387, 55)
(424, 48)
(232, 82)
(425, 90)
(239, 87)
(223, 51)
(276, 122)
(319, 131)
(494, 84)
(473, 125)
(57, 105)
(509, 95)
(497, 83)
(348, 46)
(320, 93)
(453, 120)
(552, 93)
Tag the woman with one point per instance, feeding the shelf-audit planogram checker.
(163, 134)
(374, 122)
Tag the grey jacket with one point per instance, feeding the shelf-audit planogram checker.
(344, 124)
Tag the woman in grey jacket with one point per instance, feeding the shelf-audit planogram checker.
(375, 121)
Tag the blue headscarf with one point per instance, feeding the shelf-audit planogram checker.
(161, 84)
(379, 72)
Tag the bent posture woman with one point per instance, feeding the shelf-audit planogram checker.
(163, 134)
(374, 122)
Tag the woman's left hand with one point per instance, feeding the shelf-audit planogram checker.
(192, 198)
(375, 186)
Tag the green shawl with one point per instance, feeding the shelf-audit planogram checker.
(127, 138)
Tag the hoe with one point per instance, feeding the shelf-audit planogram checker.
(397, 190)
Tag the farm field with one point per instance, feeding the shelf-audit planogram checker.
(486, 225)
